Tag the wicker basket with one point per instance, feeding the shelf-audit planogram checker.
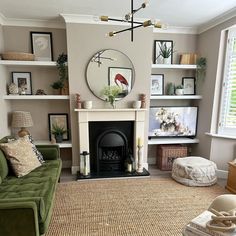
(166, 154)
(20, 56)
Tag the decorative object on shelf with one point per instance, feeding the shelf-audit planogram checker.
(84, 168)
(23, 82)
(111, 93)
(143, 100)
(60, 121)
(40, 92)
(163, 52)
(122, 77)
(87, 104)
(13, 89)
(189, 85)
(170, 89)
(129, 18)
(58, 131)
(173, 121)
(179, 90)
(62, 83)
(157, 84)
(78, 101)
(140, 156)
(41, 44)
(18, 56)
(23, 120)
(53, 140)
(136, 104)
(188, 59)
(201, 68)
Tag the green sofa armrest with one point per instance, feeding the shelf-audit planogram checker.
(19, 218)
(49, 152)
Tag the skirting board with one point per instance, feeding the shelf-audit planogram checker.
(75, 169)
(222, 174)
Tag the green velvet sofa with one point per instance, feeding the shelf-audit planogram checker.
(26, 203)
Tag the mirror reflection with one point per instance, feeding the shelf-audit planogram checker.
(110, 68)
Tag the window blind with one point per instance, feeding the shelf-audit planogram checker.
(227, 124)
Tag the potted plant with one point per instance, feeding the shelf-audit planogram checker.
(165, 52)
(179, 90)
(62, 83)
(58, 132)
(111, 92)
(201, 68)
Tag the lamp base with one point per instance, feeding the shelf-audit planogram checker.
(23, 132)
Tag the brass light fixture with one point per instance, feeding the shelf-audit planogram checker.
(129, 17)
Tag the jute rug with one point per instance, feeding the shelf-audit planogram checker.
(127, 207)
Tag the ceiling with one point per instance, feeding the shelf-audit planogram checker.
(179, 13)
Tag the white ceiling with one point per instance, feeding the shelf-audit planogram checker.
(180, 13)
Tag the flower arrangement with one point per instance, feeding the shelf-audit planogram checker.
(111, 92)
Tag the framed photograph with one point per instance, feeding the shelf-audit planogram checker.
(121, 77)
(23, 81)
(41, 43)
(61, 120)
(189, 84)
(157, 84)
(160, 47)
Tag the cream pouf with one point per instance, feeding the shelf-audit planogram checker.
(194, 171)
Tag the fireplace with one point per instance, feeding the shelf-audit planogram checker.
(111, 145)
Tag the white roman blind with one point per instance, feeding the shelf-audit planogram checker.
(227, 124)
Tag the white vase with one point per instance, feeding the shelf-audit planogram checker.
(166, 60)
(179, 91)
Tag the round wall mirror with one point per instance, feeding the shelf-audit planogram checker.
(110, 67)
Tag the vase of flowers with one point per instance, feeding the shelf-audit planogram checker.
(110, 93)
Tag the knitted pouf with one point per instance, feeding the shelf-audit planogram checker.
(194, 171)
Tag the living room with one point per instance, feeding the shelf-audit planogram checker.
(74, 32)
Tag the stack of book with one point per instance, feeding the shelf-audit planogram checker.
(197, 227)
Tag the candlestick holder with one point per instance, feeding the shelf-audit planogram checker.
(140, 159)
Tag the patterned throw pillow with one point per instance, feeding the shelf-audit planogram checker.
(36, 151)
(21, 156)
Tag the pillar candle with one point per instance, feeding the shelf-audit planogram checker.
(140, 143)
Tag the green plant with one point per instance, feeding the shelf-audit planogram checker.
(165, 51)
(62, 70)
(111, 92)
(179, 86)
(201, 68)
(58, 130)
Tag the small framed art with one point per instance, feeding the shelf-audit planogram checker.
(163, 52)
(23, 82)
(58, 120)
(157, 84)
(189, 84)
(41, 43)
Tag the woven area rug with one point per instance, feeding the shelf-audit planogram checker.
(127, 207)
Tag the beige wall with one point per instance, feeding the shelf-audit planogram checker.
(218, 149)
(83, 41)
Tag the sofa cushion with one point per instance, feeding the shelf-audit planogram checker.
(36, 151)
(21, 156)
(3, 166)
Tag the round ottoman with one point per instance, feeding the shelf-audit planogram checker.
(194, 171)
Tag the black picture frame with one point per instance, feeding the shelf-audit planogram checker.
(23, 81)
(61, 119)
(156, 53)
(157, 84)
(189, 84)
(41, 45)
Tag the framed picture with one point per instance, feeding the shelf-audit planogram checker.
(23, 81)
(122, 77)
(41, 43)
(160, 47)
(189, 84)
(157, 84)
(58, 119)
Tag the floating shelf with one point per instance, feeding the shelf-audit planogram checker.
(36, 97)
(175, 97)
(155, 141)
(64, 144)
(27, 63)
(174, 66)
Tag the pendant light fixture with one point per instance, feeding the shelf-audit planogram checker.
(129, 18)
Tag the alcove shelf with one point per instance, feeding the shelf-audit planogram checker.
(155, 141)
(175, 97)
(174, 66)
(28, 63)
(64, 144)
(36, 97)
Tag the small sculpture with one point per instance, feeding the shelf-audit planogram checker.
(78, 101)
(143, 100)
(13, 89)
(40, 92)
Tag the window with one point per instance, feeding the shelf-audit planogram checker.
(227, 124)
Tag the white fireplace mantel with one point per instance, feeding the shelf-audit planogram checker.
(127, 114)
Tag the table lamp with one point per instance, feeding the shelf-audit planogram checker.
(22, 119)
